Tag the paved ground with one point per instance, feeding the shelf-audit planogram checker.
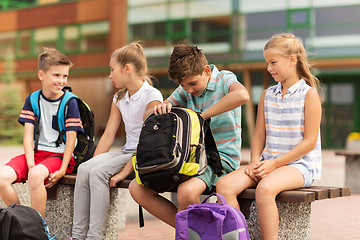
(334, 219)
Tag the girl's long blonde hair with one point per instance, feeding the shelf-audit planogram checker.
(134, 54)
(287, 44)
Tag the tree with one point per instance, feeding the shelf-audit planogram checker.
(11, 132)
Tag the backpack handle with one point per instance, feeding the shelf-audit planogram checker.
(221, 197)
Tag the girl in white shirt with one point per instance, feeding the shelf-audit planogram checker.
(131, 104)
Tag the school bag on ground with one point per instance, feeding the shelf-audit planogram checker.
(174, 147)
(211, 221)
(19, 222)
(85, 147)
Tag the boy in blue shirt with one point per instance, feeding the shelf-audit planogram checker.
(45, 166)
(217, 95)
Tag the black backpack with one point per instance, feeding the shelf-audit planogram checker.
(19, 222)
(85, 147)
(174, 147)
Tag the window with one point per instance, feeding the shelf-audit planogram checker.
(211, 30)
(24, 42)
(298, 18)
(45, 37)
(6, 41)
(71, 38)
(94, 36)
(152, 34)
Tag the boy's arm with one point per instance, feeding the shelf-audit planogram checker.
(29, 144)
(69, 149)
(237, 96)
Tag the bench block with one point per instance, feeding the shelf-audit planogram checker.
(59, 212)
(352, 169)
(294, 220)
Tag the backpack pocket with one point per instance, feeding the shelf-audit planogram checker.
(163, 134)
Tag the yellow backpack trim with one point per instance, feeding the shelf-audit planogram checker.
(133, 159)
(191, 167)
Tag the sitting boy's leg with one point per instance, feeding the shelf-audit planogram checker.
(38, 195)
(7, 193)
(189, 192)
(155, 204)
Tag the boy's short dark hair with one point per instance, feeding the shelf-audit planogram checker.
(52, 57)
(185, 61)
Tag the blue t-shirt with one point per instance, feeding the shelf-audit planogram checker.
(48, 125)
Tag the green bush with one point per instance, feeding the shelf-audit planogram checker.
(11, 132)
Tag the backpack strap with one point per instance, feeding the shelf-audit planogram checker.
(68, 95)
(214, 159)
(35, 105)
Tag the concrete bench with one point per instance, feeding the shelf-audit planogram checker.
(294, 209)
(352, 169)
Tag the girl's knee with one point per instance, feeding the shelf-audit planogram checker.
(265, 191)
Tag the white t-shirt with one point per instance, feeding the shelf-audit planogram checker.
(132, 110)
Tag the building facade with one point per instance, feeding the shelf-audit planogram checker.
(232, 34)
(86, 31)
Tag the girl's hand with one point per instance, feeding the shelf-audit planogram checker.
(263, 168)
(54, 178)
(250, 172)
(162, 108)
(114, 180)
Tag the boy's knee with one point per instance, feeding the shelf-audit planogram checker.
(140, 193)
(222, 186)
(7, 176)
(186, 196)
(36, 176)
(135, 190)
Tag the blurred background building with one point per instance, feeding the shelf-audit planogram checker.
(232, 34)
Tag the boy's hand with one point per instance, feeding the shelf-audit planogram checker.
(162, 108)
(114, 180)
(54, 178)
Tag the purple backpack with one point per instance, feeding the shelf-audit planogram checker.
(211, 221)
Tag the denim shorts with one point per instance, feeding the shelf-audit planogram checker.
(307, 174)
